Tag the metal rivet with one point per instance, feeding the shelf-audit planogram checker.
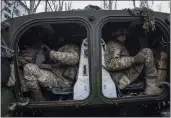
(91, 18)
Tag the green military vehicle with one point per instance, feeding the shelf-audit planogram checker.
(94, 90)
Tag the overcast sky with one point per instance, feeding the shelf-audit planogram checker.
(120, 5)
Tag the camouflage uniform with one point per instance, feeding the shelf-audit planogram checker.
(125, 70)
(62, 73)
(28, 56)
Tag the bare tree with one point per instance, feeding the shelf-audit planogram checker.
(15, 5)
(49, 6)
(55, 5)
(33, 6)
(36, 6)
(152, 3)
(115, 5)
(46, 5)
(68, 6)
(108, 4)
(134, 4)
(143, 3)
(105, 4)
(59, 5)
(7, 6)
(24, 1)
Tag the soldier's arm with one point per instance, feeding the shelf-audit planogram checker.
(68, 57)
(114, 61)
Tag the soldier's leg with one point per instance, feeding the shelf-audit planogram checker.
(53, 79)
(63, 82)
(130, 75)
(150, 72)
(31, 82)
(36, 92)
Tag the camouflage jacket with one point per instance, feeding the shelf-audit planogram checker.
(117, 57)
(66, 59)
(67, 55)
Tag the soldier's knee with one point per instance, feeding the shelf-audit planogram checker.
(30, 67)
(147, 51)
(31, 70)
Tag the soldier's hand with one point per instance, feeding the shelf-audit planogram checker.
(45, 48)
(139, 58)
(124, 82)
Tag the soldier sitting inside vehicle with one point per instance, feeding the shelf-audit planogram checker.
(126, 68)
(59, 73)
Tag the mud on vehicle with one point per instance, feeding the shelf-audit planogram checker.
(90, 31)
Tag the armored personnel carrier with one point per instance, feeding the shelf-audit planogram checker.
(94, 87)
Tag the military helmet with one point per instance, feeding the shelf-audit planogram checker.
(119, 32)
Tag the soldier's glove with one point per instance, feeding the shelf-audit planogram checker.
(124, 82)
(139, 58)
(46, 50)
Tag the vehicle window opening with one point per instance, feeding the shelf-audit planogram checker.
(53, 62)
(115, 74)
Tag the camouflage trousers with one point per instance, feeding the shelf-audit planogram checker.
(150, 71)
(34, 77)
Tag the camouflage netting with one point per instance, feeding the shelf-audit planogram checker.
(92, 7)
(147, 15)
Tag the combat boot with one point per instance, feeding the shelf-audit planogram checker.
(37, 95)
(151, 87)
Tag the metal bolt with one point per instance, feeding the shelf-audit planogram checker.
(91, 18)
(5, 25)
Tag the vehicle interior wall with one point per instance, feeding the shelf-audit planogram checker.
(137, 39)
(71, 32)
(51, 35)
